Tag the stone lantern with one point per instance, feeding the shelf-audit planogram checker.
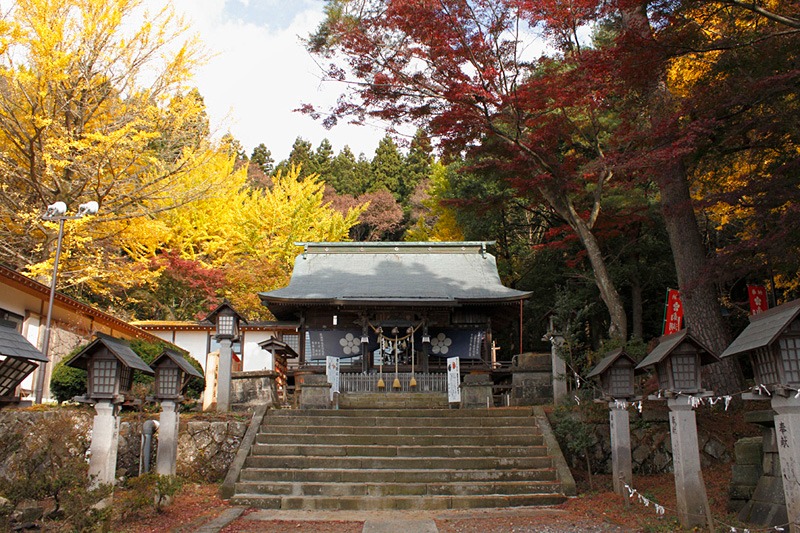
(18, 358)
(110, 364)
(677, 360)
(173, 373)
(226, 321)
(772, 340)
(615, 374)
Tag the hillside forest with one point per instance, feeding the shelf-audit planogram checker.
(612, 150)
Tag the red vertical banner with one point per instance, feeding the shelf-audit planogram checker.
(673, 315)
(758, 299)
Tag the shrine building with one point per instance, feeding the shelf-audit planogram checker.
(396, 308)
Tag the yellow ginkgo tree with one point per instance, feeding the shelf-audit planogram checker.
(247, 234)
(95, 106)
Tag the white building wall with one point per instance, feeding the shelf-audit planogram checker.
(253, 357)
(194, 342)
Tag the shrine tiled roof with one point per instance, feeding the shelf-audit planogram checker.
(399, 272)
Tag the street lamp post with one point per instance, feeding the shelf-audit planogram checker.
(56, 212)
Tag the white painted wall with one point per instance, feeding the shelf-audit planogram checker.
(254, 358)
(194, 342)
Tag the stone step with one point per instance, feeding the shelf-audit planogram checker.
(288, 488)
(273, 429)
(377, 503)
(393, 400)
(332, 450)
(394, 459)
(490, 441)
(426, 475)
(395, 463)
(506, 412)
(338, 420)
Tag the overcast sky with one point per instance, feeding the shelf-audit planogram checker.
(260, 72)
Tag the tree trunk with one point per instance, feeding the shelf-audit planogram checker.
(637, 308)
(608, 292)
(701, 308)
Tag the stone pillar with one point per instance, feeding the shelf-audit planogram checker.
(559, 369)
(105, 441)
(167, 455)
(476, 392)
(621, 464)
(692, 501)
(787, 434)
(210, 392)
(224, 376)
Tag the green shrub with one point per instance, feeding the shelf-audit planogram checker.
(67, 382)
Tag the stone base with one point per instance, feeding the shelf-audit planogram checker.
(315, 392)
(249, 389)
(476, 392)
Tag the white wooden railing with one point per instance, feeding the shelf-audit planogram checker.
(369, 382)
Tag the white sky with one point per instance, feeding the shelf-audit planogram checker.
(260, 72)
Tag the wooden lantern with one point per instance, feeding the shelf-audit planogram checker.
(772, 339)
(615, 374)
(110, 364)
(173, 373)
(677, 360)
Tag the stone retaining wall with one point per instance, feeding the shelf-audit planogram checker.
(651, 446)
(206, 444)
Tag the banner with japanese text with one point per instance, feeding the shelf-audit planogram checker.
(332, 372)
(673, 315)
(453, 380)
(757, 294)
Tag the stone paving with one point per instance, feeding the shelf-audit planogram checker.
(413, 521)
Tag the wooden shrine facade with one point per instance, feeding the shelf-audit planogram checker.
(396, 306)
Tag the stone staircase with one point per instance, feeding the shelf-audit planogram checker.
(374, 459)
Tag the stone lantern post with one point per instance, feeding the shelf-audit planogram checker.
(615, 373)
(772, 340)
(677, 360)
(226, 320)
(173, 373)
(110, 364)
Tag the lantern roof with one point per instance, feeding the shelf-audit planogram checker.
(275, 346)
(13, 344)
(179, 360)
(212, 316)
(764, 328)
(117, 347)
(668, 343)
(608, 361)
